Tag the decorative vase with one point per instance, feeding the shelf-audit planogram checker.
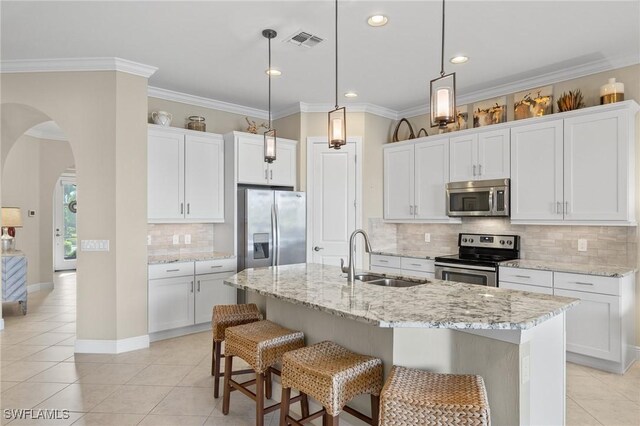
(196, 123)
(611, 92)
(162, 118)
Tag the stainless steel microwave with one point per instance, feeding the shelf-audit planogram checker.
(478, 198)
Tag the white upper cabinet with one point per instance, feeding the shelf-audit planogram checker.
(399, 182)
(536, 172)
(185, 176)
(483, 155)
(253, 170)
(596, 167)
(431, 176)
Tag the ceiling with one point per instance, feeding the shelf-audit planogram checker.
(215, 49)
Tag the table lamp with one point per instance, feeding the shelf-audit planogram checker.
(11, 219)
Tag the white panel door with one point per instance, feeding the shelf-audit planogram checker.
(165, 175)
(282, 172)
(171, 303)
(334, 197)
(431, 176)
(210, 291)
(463, 158)
(593, 326)
(494, 159)
(596, 162)
(536, 172)
(251, 166)
(399, 182)
(204, 178)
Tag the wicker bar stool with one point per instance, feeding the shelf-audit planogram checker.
(223, 317)
(414, 397)
(333, 376)
(261, 344)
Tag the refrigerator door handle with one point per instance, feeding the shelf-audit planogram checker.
(277, 233)
(273, 236)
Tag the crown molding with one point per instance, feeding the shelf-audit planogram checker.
(77, 64)
(553, 77)
(47, 130)
(304, 107)
(185, 98)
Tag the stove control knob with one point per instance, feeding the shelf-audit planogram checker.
(464, 240)
(502, 242)
(509, 242)
(470, 240)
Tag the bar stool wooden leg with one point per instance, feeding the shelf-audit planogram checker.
(213, 358)
(216, 374)
(375, 409)
(329, 420)
(228, 365)
(259, 399)
(304, 405)
(267, 383)
(284, 406)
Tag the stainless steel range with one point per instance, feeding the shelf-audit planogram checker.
(478, 258)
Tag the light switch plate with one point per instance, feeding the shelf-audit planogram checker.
(187, 238)
(176, 239)
(526, 369)
(94, 245)
(427, 237)
(148, 240)
(582, 244)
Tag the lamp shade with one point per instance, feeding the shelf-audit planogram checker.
(12, 217)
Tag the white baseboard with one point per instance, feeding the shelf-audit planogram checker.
(637, 351)
(1, 324)
(112, 346)
(39, 286)
(177, 332)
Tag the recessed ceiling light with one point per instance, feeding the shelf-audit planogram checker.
(274, 72)
(377, 20)
(460, 59)
(351, 94)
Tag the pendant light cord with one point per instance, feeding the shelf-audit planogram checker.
(269, 73)
(336, 54)
(442, 56)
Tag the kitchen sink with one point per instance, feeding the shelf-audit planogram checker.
(388, 282)
(368, 277)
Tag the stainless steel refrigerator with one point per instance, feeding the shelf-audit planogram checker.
(271, 228)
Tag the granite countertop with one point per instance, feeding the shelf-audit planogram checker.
(574, 268)
(190, 257)
(416, 254)
(437, 304)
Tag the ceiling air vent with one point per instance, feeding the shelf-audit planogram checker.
(301, 38)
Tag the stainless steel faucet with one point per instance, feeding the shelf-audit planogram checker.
(351, 268)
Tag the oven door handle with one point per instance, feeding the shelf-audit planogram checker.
(459, 266)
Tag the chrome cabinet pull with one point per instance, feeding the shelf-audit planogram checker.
(415, 210)
(191, 286)
(173, 270)
(523, 276)
(411, 210)
(266, 174)
(415, 264)
(474, 169)
(270, 174)
(198, 286)
(181, 208)
(383, 261)
(188, 208)
(216, 266)
(582, 283)
(566, 207)
(479, 169)
(558, 207)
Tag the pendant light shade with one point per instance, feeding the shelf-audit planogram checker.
(443, 92)
(337, 117)
(270, 134)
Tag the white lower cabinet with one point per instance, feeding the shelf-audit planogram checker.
(525, 287)
(171, 303)
(211, 291)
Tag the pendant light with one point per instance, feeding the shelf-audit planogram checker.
(443, 92)
(270, 134)
(337, 117)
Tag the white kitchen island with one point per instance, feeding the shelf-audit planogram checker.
(514, 340)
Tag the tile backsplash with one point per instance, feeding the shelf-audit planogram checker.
(609, 245)
(161, 238)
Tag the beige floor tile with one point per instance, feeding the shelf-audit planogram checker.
(578, 370)
(112, 374)
(161, 375)
(52, 353)
(10, 337)
(64, 372)
(79, 397)
(41, 326)
(583, 387)
(65, 328)
(7, 385)
(182, 356)
(240, 406)
(28, 395)
(187, 401)
(155, 420)
(109, 419)
(199, 377)
(238, 421)
(613, 413)
(142, 356)
(20, 351)
(97, 358)
(48, 338)
(23, 370)
(64, 317)
(133, 400)
(60, 421)
(71, 341)
(578, 416)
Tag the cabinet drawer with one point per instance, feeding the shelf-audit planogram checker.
(385, 261)
(170, 270)
(525, 287)
(526, 276)
(587, 283)
(216, 265)
(421, 265)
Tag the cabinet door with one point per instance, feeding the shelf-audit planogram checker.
(251, 165)
(596, 163)
(494, 160)
(204, 178)
(282, 172)
(525, 287)
(165, 176)
(536, 172)
(593, 326)
(171, 303)
(463, 158)
(398, 182)
(431, 176)
(210, 291)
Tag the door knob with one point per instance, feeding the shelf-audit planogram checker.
(316, 248)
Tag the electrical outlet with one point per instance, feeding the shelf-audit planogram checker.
(582, 244)
(176, 239)
(427, 237)
(148, 240)
(525, 372)
(187, 238)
